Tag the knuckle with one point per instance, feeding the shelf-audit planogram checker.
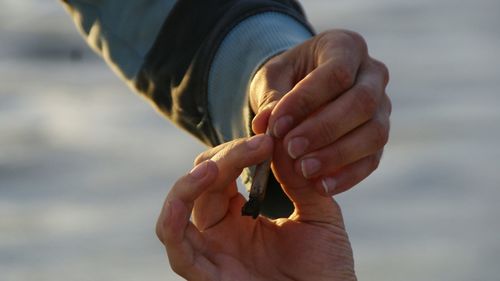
(357, 39)
(327, 39)
(159, 230)
(383, 70)
(231, 152)
(343, 77)
(385, 109)
(305, 100)
(268, 97)
(261, 89)
(389, 105)
(366, 100)
(271, 68)
(374, 162)
(381, 132)
(224, 153)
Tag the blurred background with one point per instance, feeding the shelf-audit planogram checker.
(85, 164)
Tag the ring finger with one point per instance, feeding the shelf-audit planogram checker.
(361, 142)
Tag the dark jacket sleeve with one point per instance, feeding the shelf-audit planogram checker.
(175, 71)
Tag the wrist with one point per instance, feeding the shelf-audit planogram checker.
(245, 48)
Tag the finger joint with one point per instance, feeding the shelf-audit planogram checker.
(343, 77)
(366, 100)
(381, 133)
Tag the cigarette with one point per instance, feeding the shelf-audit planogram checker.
(258, 189)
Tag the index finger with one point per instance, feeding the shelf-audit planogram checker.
(213, 205)
(338, 64)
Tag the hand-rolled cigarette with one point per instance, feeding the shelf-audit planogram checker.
(258, 189)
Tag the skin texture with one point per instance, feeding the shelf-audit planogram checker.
(219, 244)
(325, 100)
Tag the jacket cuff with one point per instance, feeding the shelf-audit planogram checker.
(244, 49)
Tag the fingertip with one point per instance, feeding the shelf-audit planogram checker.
(267, 144)
(262, 150)
(261, 119)
(257, 128)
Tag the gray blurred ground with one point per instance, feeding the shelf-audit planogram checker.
(85, 164)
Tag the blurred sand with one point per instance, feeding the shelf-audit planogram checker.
(85, 164)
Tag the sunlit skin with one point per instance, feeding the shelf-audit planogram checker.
(220, 244)
(325, 104)
(325, 100)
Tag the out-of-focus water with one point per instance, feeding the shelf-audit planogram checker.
(85, 164)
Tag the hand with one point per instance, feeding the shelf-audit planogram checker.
(326, 99)
(220, 244)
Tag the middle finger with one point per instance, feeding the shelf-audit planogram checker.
(336, 119)
(361, 142)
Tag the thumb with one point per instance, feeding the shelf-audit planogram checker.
(310, 205)
(269, 84)
(261, 119)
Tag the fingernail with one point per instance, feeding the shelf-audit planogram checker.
(329, 185)
(200, 170)
(310, 166)
(255, 141)
(282, 126)
(297, 146)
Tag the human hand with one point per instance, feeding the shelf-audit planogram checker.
(326, 99)
(220, 244)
